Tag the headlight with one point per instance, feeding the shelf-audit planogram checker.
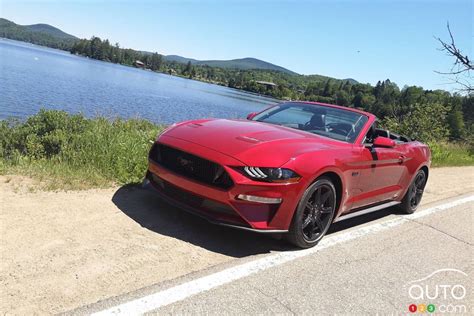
(281, 175)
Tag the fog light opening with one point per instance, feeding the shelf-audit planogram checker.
(259, 199)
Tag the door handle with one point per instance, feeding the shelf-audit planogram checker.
(401, 159)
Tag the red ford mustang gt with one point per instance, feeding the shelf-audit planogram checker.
(293, 168)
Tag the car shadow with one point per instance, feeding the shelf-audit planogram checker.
(360, 220)
(154, 214)
(151, 212)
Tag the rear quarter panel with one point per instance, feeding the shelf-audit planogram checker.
(418, 156)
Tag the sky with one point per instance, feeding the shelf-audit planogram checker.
(364, 40)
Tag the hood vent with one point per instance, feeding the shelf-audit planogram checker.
(249, 139)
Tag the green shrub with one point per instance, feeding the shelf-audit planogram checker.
(452, 154)
(425, 122)
(77, 151)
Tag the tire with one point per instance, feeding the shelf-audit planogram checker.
(412, 198)
(311, 220)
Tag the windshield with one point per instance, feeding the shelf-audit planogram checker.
(322, 120)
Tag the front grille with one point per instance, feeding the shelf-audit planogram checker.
(191, 199)
(191, 166)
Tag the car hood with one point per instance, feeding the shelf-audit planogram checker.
(253, 143)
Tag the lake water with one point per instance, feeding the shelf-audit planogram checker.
(34, 77)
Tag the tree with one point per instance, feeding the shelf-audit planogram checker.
(327, 88)
(342, 98)
(95, 47)
(231, 83)
(210, 72)
(462, 66)
(156, 61)
(105, 50)
(188, 68)
(455, 117)
(117, 54)
(425, 122)
(387, 102)
(192, 74)
(456, 123)
(347, 87)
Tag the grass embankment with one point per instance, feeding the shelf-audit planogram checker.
(68, 151)
(452, 154)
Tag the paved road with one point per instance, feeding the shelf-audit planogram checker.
(366, 268)
(366, 275)
(93, 250)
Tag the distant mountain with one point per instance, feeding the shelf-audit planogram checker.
(242, 63)
(48, 29)
(41, 34)
(350, 80)
(179, 59)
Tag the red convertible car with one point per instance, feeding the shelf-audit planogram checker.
(293, 168)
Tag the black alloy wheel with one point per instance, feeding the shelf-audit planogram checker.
(417, 189)
(314, 214)
(412, 198)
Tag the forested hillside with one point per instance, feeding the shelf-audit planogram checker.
(40, 34)
(241, 63)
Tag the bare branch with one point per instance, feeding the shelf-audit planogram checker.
(462, 64)
(451, 72)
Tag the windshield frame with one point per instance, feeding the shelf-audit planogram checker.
(285, 105)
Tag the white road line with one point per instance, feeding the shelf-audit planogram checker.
(180, 292)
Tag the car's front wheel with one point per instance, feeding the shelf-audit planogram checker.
(314, 214)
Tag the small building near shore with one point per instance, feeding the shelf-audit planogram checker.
(269, 85)
(139, 64)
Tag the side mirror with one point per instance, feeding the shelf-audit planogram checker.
(251, 115)
(384, 142)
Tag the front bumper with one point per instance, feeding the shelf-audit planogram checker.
(222, 206)
(151, 185)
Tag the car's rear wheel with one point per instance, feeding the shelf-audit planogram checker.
(314, 214)
(412, 198)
